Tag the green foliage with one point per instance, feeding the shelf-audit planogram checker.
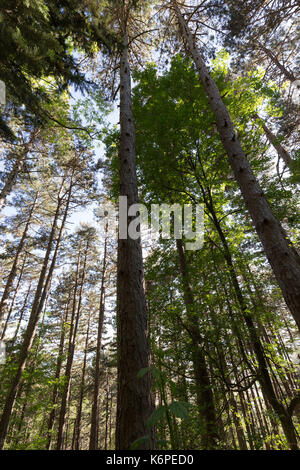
(38, 41)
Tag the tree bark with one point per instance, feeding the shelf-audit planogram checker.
(134, 404)
(13, 301)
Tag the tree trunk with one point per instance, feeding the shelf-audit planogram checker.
(57, 376)
(281, 151)
(71, 349)
(8, 185)
(134, 404)
(14, 298)
(93, 445)
(237, 423)
(286, 73)
(37, 306)
(13, 271)
(282, 256)
(11, 177)
(81, 393)
(205, 399)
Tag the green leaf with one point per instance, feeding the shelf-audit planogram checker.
(156, 416)
(142, 372)
(138, 442)
(179, 409)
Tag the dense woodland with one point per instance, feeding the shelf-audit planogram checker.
(127, 344)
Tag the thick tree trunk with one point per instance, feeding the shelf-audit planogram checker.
(282, 256)
(11, 177)
(134, 405)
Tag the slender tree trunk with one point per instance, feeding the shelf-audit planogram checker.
(11, 177)
(205, 399)
(37, 306)
(29, 385)
(106, 413)
(134, 405)
(263, 414)
(13, 271)
(110, 419)
(282, 256)
(93, 444)
(71, 349)
(237, 423)
(14, 298)
(286, 73)
(264, 376)
(57, 376)
(273, 140)
(21, 316)
(81, 392)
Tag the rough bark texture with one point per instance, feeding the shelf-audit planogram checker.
(14, 299)
(11, 177)
(282, 256)
(134, 404)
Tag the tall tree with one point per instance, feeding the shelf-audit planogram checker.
(134, 395)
